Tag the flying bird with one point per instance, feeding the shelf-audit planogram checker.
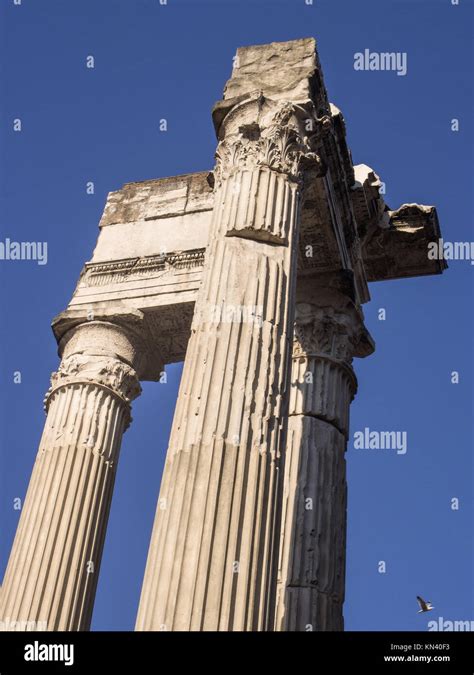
(424, 606)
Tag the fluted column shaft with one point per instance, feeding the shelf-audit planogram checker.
(212, 548)
(53, 568)
(311, 575)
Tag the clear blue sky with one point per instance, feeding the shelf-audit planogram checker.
(101, 125)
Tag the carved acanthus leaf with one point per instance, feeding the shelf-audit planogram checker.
(97, 369)
(281, 146)
(326, 331)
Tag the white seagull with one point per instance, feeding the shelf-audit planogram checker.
(424, 606)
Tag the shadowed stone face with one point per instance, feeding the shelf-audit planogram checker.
(279, 70)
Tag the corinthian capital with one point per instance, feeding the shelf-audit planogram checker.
(333, 329)
(107, 372)
(260, 133)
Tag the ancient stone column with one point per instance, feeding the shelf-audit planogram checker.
(212, 549)
(53, 569)
(329, 331)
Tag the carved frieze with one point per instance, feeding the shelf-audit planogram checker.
(118, 271)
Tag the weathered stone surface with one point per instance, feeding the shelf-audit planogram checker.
(327, 337)
(159, 198)
(212, 265)
(54, 565)
(310, 591)
(280, 70)
(221, 471)
(134, 327)
(394, 243)
(329, 332)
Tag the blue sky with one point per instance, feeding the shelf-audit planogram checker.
(171, 61)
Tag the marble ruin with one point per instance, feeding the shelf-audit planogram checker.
(255, 275)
